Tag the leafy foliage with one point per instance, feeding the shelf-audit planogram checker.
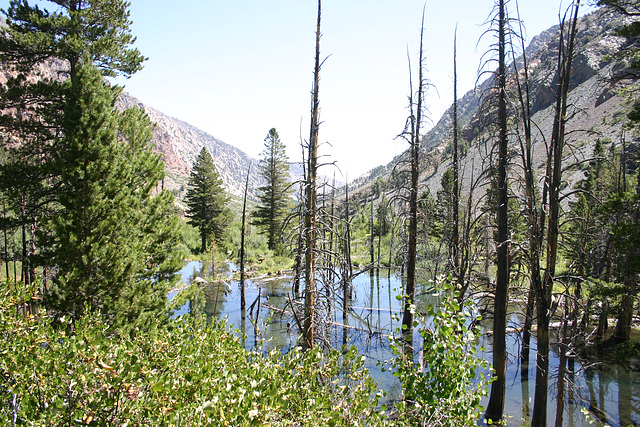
(448, 391)
(187, 372)
(116, 238)
(89, 209)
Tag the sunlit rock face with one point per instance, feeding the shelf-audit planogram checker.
(180, 143)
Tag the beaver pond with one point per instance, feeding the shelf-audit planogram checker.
(601, 391)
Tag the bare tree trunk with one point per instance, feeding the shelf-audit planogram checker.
(6, 244)
(332, 231)
(495, 408)
(409, 303)
(535, 237)
(311, 200)
(346, 268)
(554, 180)
(456, 175)
(371, 245)
(562, 368)
(301, 231)
(25, 263)
(242, 243)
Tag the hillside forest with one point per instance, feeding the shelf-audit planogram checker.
(523, 200)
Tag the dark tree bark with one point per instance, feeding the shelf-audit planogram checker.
(347, 269)
(372, 258)
(554, 179)
(531, 205)
(242, 245)
(455, 244)
(415, 124)
(495, 408)
(311, 201)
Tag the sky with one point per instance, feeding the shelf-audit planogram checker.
(236, 69)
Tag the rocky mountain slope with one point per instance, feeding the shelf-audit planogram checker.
(596, 112)
(180, 143)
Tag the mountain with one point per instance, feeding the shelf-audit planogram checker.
(180, 143)
(597, 111)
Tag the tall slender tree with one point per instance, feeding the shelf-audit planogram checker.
(311, 198)
(114, 246)
(455, 235)
(414, 125)
(553, 182)
(242, 242)
(495, 407)
(531, 206)
(207, 201)
(275, 196)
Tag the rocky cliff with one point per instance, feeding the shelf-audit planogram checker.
(180, 143)
(596, 110)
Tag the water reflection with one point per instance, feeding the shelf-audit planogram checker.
(609, 393)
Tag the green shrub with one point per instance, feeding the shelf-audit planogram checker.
(188, 372)
(448, 391)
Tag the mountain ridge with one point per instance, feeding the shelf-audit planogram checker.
(596, 110)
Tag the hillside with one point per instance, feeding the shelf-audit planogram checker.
(180, 143)
(596, 111)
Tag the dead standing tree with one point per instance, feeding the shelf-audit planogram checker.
(455, 238)
(553, 182)
(242, 243)
(532, 213)
(311, 200)
(495, 407)
(412, 135)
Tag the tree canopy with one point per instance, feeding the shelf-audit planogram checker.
(207, 201)
(275, 195)
(93, 220)
(116, 238)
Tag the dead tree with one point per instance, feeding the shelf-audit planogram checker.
(412, 134)
(495, 408)
(311, 201)
(553, 182)
(455, 235)
(242, 243)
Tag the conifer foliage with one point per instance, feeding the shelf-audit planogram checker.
(106, 242)
(274, 196)
(98, 226)
(207, 200)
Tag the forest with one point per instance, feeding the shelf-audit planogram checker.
(508, 242)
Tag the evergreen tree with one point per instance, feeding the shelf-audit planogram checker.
(40, 50)
(275, 195)
(625, 203)
(445, 208)
(114, 242)
(207, 200)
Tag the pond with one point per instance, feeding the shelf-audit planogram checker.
(606, 392)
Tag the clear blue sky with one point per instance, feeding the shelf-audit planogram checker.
(235, 69)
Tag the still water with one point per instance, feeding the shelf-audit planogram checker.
(606, 393)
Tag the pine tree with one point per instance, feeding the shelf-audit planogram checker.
(40, 50)
(113, 243)
(275, 195)
(207, 200)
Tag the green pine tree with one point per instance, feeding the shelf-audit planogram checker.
(207, 201)
(113, 241)
(275, 196)
(41, 46)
